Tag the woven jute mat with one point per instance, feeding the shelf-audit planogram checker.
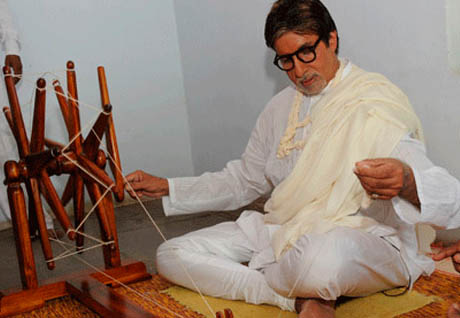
(443, 285)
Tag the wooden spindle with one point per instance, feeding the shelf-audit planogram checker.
(111, 138)
(74, 111)
(37, 138)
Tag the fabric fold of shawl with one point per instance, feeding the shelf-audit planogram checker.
(363, 116)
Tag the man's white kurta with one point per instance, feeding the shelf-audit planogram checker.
(259, 171)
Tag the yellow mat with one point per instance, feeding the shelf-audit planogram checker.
(376, 306)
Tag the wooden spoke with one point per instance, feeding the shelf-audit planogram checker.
(37, 139)
(42, 230)
(96, 195)
(55, 204)
(68, 191)
(9, 119)
(79, 206)
(22, 141)
(74, 112)
(49, 143)
(94, 170)
(112, 146)
(92, 141)
(62, 101)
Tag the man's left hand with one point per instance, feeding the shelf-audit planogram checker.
(14, 61)
(385, 178)
(450, 251)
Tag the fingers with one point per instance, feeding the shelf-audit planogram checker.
(382, 168)
(135, 176)
(453, 250)
(140, 183)
(383, 177)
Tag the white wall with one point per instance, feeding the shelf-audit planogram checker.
(136, 42)
(407, 42)
(228, 75)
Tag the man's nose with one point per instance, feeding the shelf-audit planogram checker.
(299, 67)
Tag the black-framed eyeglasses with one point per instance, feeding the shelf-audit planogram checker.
(306, 54)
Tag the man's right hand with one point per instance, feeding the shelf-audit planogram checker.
(140, 183)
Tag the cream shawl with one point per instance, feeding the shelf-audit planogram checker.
(362, 116)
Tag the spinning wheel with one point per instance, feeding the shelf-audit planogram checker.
(84, 162)
(37, 164)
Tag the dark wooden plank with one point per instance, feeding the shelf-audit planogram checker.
(28, 300)
(104, 301)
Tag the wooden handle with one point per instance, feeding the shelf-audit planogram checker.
(20, 226)
(23, 143)
(105, 100)
(74, 111)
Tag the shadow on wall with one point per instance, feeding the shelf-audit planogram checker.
(279, 78)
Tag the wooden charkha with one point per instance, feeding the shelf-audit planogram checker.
(39, 159)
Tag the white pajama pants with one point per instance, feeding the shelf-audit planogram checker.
(342, 262)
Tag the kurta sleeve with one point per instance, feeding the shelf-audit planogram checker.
(438, 191)
(238, 184)
(8, 34)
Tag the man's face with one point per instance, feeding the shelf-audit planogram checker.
(310, 78)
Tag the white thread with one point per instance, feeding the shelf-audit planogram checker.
(93, 208)
(74, 254)
(122, 284)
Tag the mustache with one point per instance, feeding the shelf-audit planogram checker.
(306, 76)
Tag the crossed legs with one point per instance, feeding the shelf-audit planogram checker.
(320, 266)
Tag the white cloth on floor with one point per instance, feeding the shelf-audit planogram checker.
(259, 171)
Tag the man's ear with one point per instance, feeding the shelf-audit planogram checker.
(333, 40)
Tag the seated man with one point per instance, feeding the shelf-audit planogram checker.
(338, 223)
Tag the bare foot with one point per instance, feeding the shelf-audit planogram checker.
(316, 308)
(454, 311)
